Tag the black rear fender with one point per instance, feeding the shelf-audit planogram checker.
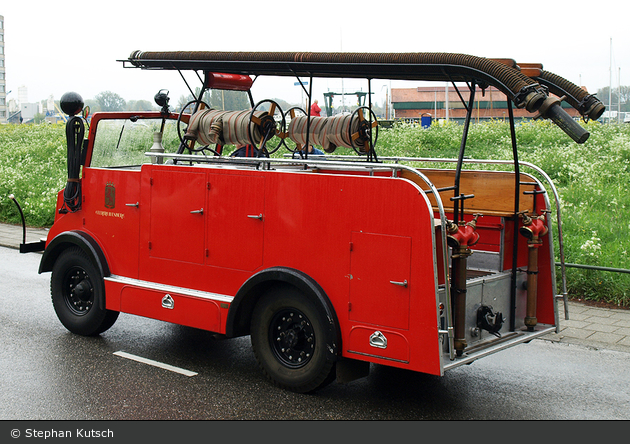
(240, 313)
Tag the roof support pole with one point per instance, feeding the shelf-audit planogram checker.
(308, 113)
(457, 197)
(371, 155)
(517, 193)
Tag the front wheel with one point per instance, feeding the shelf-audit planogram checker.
(288, 336)
(78, 293)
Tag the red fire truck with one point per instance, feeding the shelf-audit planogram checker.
(330, 263)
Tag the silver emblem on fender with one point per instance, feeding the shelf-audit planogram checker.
(168, 302)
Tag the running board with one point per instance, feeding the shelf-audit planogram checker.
(508, 340)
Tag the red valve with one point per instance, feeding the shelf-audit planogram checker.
(533, 229)
(463, 235)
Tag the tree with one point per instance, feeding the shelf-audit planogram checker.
(283, 104)
(219, 99)
(93, 104)
(39, 118)
(619, 97)
(229, 100)
(110, 101)
(139, 105)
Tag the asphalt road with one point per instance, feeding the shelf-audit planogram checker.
(51, 374)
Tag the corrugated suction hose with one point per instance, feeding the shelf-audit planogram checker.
(585, 103)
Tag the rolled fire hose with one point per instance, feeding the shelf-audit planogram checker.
(327, 132)
(210, 126)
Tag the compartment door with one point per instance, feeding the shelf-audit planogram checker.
(380, 266)
(177, 215)
(236, 220)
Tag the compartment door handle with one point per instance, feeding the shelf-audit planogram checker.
(400, 284)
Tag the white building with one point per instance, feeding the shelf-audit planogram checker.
(3, 82)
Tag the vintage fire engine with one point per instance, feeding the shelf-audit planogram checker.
(330, 263)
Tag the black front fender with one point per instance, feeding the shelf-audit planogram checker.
(69, 239)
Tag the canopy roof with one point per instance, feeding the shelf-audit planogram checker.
(402, 66)
(527, 87)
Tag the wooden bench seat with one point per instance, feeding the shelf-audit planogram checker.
(493, 190)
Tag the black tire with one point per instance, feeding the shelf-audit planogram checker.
(78, 293)
(288, 335)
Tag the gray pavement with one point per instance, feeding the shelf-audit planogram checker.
(593, 327)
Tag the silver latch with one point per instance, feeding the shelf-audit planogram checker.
(378, 340)
(168, 302)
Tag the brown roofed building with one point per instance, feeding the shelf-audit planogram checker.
(412, 103)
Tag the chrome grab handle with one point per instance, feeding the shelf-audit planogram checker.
(401, 284)
(137, 204)
(255, 216)
(197, 211)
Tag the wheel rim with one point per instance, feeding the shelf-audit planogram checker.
(199, 104)
(78, 291)
(292, 113)
(292, 338)
(364, 133)
(267, 126)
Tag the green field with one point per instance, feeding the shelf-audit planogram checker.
(592, 181)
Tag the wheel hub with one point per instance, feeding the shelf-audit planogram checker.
(79, 297)
(82, 290)
(292, 338)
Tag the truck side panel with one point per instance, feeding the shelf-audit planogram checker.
(360, 237)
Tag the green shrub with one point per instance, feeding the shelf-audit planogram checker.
(33, 168)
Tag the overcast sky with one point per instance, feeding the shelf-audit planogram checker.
(55, 47)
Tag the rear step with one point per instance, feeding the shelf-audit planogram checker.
(494, 345)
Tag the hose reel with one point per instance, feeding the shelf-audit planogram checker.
(257, 127)
(247, 127)
(349, 131)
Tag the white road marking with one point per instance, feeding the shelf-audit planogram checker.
(155, 363)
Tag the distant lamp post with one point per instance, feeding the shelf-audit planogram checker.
(302, 84)
(386, 101)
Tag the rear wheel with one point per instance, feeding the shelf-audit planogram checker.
(288, 335)
(78, 293)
